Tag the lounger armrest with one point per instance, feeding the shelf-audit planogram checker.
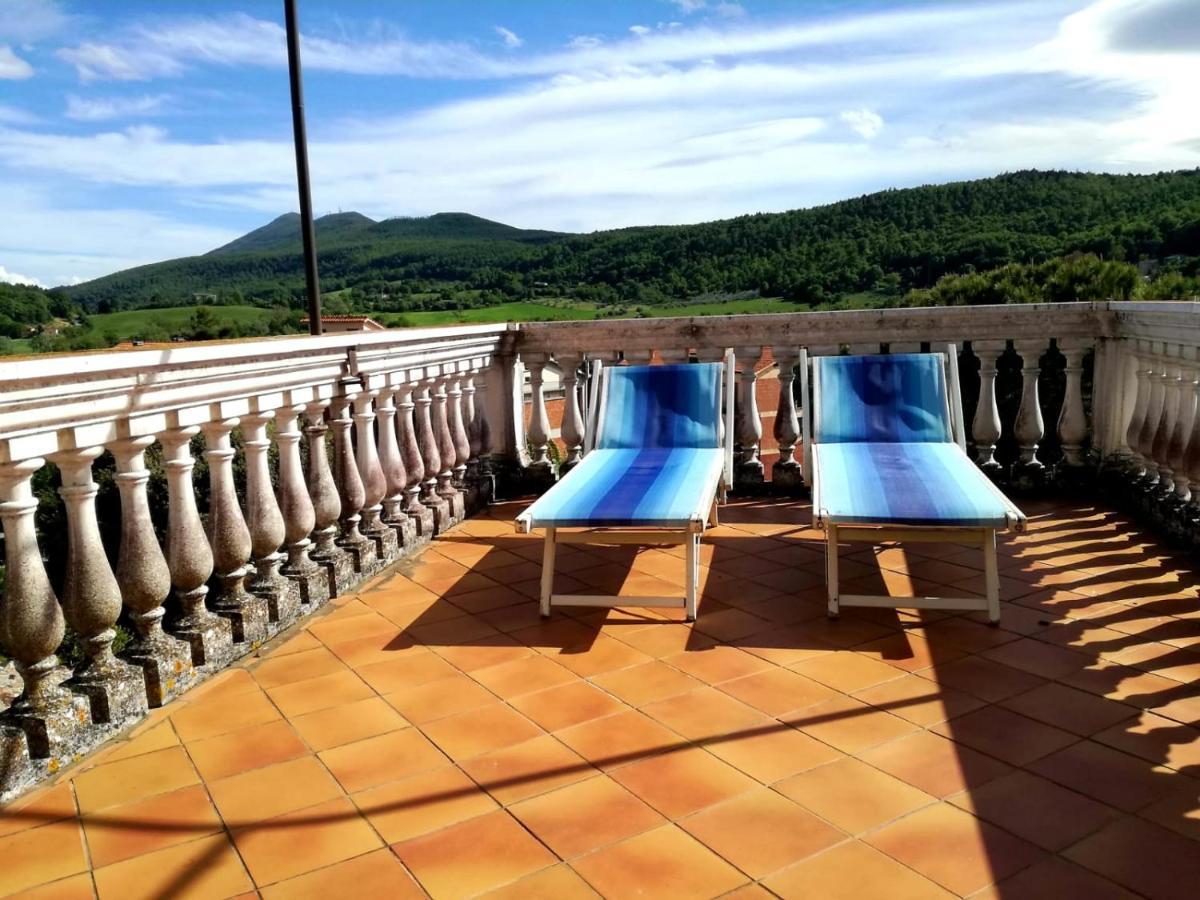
(523, 523)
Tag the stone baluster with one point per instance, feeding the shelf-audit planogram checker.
(540, 465)
(1141, 404)
(350, 485)
(265, 521)
(748, 430)
(414, 466)
(457, 418)
(230, 540)
(1072, 419)
(190, 558)
(375, 486)
(1156, 377)
(327, 503)
(572, 422)
(985, 427)
(392, 464)
(144, 579)
(1160, 445)
(430, 457)
(91, 598)
(447, 452)
(31, 620)
(1185, 423)
(481, 440)
(786, 474)
(299, 516)
(1029, 427)
(1191, 460)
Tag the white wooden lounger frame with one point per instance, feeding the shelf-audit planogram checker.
(983, 538)
(689, 536)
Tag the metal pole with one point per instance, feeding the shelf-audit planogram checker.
(307, 231)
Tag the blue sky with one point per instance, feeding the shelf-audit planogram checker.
(137, 131)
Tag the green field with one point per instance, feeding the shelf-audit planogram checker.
(518, 311)
(123, 325)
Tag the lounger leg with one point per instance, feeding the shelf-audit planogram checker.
(831, 569)
(693, 555)
(991, 576)
(547, 572)
(712, 514)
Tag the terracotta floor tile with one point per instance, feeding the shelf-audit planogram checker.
(604, 655)
(1183, 709)
(206, 867)
(413, 806)
(771, 752)
(160, 737)
(706, 713)
(1055, 879)
(777, 691)
(1156, 739)
(219, 715)
(668, 639)
(229, 683)
(1123, 683)
(473, 856)
(347, 723)
(554, 634)
(853, 871)
(581, 817)
(919, 701)
(852, 795)
(386, 757)
(1179, 811)
(683, 781)
(331, 631)
(1037, 658)
(676, 864)
(523, 676)
(389, 677)
(378, 875)
(717, 664)
(245, 749)
(1065, 707)
(983, 678)
(556, 883)
(40, 807)
(730, 624)
(38, 855)
(953, 848)
(1143, 857)
(77, 887)
(934, 764)
(477, 731)
(847, 671)
(567, 705)
(278, 671)
(304, 840)
(646, 683)
(133, 779)
(377, 648)
(483, 652)
(1108, 775)
(848, 724)
(164, 820)
(527, 769)
(437, 699)
(272, 791)
(1005, 735)
(761, 832)
(615, 741)
(1036, 809)
(909, 651)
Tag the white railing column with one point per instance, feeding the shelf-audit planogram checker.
(985, 426)
(1072, 419)
(1030, 427)
(572, 422)
(350, 484)
(539, 420)
(265, 521)
(31, 620)
(1141, 404)
(1156, 378)
(430, 457)
(1185, 420)
(327, 503)
(296, 507)
(410, 449)
(1191, 459)
(374, 480)
(481, 436)
(190, 558)
(230, 539)
(1160, 446)
(749, 468)
(447, 452)
(145, 580)
(392, 464)
(787, 473)
(457, 420)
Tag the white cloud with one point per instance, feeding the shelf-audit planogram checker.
(640, 30)
(12, 66)
(17, 278)
(98, 109)
(730, 10)
(14, 115)
(585, 42)
(687, 7)
(866, 123)
(510, 38)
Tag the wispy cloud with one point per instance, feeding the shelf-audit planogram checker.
(99, 109)
(12, 66)
(866, 123)
(17, 278)
(510, 38)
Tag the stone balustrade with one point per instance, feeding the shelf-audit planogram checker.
(292, 468)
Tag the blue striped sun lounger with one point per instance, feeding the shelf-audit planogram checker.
(888, 458)
(659, 462)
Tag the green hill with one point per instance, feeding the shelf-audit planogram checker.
(883, 244)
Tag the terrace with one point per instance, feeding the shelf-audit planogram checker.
(338, 673)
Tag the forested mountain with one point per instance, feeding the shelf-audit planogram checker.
(888, 243)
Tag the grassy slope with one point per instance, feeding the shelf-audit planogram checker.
(125, 324)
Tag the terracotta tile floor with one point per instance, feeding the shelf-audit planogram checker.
(430, 735)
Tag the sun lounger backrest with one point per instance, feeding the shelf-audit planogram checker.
(661, 406)
(898, 398)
